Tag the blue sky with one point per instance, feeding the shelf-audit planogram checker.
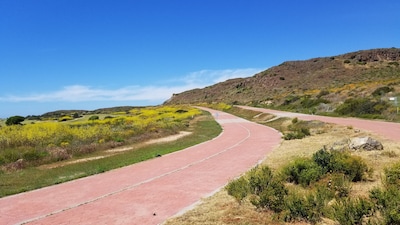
(89, 54)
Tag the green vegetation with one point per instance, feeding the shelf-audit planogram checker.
(321, 189)
(382, 91)
(297, 130)
(387, 199)
(15, 120)
(29, 178)
(362, 107)
(303, 171)
(265, 190)
(95, 117)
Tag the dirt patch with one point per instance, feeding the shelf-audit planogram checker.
(114, 151)
(169, 138)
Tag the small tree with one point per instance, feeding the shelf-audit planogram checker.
(15, 120)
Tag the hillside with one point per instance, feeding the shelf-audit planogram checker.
(318, 84)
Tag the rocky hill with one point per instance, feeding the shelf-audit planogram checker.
(326, 82)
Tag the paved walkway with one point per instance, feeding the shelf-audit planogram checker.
(151, 191)
(386, 129)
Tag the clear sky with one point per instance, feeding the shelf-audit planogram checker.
(89, 54)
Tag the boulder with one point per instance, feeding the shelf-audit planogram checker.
(365, 143)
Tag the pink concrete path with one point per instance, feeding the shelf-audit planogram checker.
(386, 129)
(151, 191)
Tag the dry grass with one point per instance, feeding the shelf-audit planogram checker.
(223, 209)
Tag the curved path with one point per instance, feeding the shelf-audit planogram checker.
(151, 191)
(386, 129)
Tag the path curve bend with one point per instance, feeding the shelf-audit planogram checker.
(152, 191)
(386, 129)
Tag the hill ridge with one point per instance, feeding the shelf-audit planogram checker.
(362, 71)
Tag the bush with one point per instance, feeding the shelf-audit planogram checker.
(65, 118)
(238, 188)
(294, 135)
(392, 175)
(32, 155)
(388, 203)
(303, 171)
(340, 185)
(308, 102)
(310, 207)
(297, 130)
(352, 166)
(93, 118)
(351, 211)
(290, 99)
(361, 106)
(387, 199)
(323, 158)
(341, 162)
(382, 90)
(267, 192)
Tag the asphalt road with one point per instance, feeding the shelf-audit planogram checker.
(149, 192)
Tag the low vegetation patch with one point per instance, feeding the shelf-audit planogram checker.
(297, 130)
(325, 177)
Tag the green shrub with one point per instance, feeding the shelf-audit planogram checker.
(360, 107)
(9, 155)
(64, 118)
(309, 207)
(93, 117)
(303, 171)
(323, 158)
(342, 162)
(352, 166)
(266, 191)
(297, 130)
(290, 99)
(392, 175)
(32, 155)
(308, 102)
(351, 211)
(382, 90)
(297, 133)
(394, 63)
(294, 135)
(387, 199)
(238, 188)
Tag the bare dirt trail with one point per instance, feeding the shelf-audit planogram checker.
(151, 191)
(385, 129)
